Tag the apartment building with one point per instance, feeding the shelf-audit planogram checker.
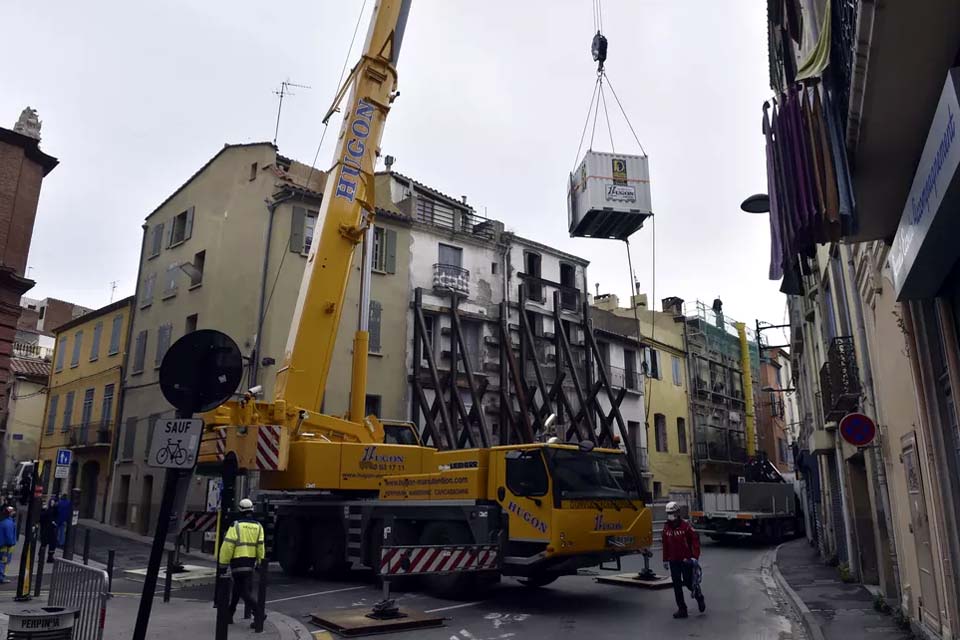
(773, 437)
(26, 399)
(83, 402)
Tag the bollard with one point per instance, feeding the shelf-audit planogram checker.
(86, 546)
(110, 558)
(168, 581)
(222, 598)
(40, 561)
(261, 615)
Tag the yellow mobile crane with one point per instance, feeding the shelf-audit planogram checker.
(333, 484)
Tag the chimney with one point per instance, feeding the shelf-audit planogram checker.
(639, 301)
(606, 301)
(388, 162)
(464, 198)
(673, 305)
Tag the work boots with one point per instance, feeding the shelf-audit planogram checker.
(681, 613)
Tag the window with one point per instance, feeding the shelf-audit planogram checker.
(95, 347)
(604, 349)
(781, 450)
(170, 281)
(633, 429)
(151, 427)
(569, 294)
(681, 435)
(115, 335)
(630, 369)
(61, 350)
(651, 362)
(531, 264)
(196, 274)
(534, 322)
(384, 250)
(77, 341)
(253, 171)
(156, 240)
(493, 268)
(657, 490)
(181, 228)
(376, 310)
(52, 414)
(450, 256)
(67, 412)
(129, 438)
(86, 413)
(106, 409)
(43, 309)
(146, 293)
(302, 225)
(371, 406)
(140, 352)
(191, 324)
(677, 374)
(164, 333)
(472, 334)
(660, 431)
(526, 473)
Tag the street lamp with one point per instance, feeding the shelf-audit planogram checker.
(757, 203)
(775, 390)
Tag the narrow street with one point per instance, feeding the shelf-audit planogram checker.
(743, 601)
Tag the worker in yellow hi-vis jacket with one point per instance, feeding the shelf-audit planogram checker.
(243, 548)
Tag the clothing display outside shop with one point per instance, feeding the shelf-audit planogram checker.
(808, 180)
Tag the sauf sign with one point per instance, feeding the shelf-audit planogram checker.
(924, 247)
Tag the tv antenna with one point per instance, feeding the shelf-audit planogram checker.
(284, 91)
(113, 289)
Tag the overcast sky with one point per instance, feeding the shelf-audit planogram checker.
(134, 97)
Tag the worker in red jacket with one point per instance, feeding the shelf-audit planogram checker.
(681, 555)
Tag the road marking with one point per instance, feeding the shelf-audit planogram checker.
(453, 606)
(319, 593)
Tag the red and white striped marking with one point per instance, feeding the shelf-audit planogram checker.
(221, 444)
(396, 561)
(268, 448)
(199, 521)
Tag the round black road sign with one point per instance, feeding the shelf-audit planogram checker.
(201, 371)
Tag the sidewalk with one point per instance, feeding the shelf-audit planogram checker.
(132, 550)
(180, 619)
(830, 608)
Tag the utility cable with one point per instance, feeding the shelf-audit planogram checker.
(586, 123)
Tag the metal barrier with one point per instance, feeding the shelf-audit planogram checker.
(75, 585)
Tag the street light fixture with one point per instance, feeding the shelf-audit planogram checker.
(757, 203)
(775, 390)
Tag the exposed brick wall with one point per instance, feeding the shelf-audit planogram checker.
(28, 319)
(57, 313)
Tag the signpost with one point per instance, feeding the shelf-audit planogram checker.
(198, 373)
(64, 457)
(858, 429)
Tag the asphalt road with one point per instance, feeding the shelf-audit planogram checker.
(743, 601)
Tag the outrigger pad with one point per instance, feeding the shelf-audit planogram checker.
(636, 580)
(359, 622)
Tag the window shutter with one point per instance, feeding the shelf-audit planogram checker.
(129, 437)
(52, 414)
(375, 312)
(173, 224)
(188, 226)
(157, 240)
(95, 347)
(296, 229)
(115, 335)
(140, 352)
(391, 261)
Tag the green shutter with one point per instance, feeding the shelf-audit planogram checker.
(375, 312)
(391, 261)
(296, 229)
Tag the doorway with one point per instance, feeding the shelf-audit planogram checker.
(89, 480)
(146, 503)
(863, 520)
(123, 498)
(929, 601)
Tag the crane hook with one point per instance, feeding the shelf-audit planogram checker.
(599, 50)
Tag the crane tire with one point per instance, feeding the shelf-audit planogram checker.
(328, 548)
(292, 546)
(454, 585)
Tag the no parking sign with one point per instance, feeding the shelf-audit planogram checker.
(858, 429)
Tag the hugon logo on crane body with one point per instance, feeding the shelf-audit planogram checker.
(527, 517)
(353, 152)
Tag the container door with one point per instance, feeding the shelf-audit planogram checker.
(929, 602)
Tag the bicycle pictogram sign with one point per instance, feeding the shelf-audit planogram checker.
(175, 444)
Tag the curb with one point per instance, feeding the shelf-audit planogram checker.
(806, 616)
(288, 628)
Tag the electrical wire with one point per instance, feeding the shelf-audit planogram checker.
(316, 155)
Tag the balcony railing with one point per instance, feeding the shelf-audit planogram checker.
(30, 350)
(843, 42)
(721, 445)
(620, 378)
(95, 434)
(449, 277)
(840, 380)
(440, 214)
(538, 291)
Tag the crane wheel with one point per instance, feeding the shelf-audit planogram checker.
(454, 585)
(537, 580)
(328, 548)
(292, 546)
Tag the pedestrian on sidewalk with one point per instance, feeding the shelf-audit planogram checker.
(681, 556)
(8, 540)
(242, 550)
(48, 528)
(64, 516)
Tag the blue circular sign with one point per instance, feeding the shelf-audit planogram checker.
(858, 429)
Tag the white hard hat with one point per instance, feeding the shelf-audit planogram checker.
(673, 507)
(246, 504)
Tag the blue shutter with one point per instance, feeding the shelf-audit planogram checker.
(77, 342)
(61, 353)
(115, 335)
(95, 347)
(52, 414)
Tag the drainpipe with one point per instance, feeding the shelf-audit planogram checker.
(870, 401)
(255, 361)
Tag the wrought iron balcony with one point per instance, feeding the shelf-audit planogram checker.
(843, 42)
(95, 434)
(622, 378)
(538, 290)
(449, 277)
(840, 379)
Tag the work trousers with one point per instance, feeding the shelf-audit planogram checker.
(681, 573)
(243, 588)
(6, 554)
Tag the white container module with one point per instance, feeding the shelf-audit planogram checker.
(608, 196)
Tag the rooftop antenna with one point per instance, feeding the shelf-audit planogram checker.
(113, 289)
(284, 91)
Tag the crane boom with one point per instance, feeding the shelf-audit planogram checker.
(345, 214)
